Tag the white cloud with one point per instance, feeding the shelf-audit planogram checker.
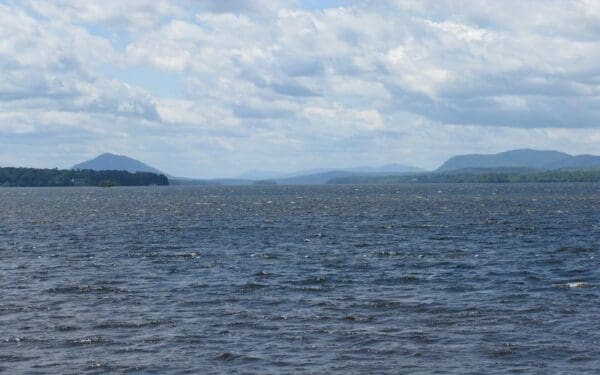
(273, 84)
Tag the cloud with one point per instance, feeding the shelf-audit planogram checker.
(301, 67)
(255, 108)
(386, 79)
(238, 6)
(119, 16)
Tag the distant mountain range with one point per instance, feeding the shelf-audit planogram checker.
(112, 162)
(322, 176)
(539, 160)
(108, 161)
(314, 173)
(515, 161)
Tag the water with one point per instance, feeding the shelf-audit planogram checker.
(331, 279)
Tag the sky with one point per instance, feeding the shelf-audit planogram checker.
(215, 88)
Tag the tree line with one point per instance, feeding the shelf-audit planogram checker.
(33, 177)
(591, 175)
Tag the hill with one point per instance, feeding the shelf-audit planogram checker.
(318, 175)
(112, 162)
(516, 158)
(313, 179)
(579, 162)
(387, 169)
(325, 176)
(540, 160)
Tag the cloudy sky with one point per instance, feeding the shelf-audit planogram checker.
(212, 88)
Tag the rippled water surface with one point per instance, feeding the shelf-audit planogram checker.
(350, 279)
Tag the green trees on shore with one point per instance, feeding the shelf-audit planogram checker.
(589, 175)
(32, 177)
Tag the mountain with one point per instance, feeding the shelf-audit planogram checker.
(327, 175)
(579, 162)
(108, 161)
(112, 162)
(313, 179)
(515, 158)
(260, 175)
(476, 171)
(523, 161)
(388, 168)
(322, 175)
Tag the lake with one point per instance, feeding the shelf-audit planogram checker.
(434, 278)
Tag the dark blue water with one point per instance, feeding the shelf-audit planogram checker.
(368, 279)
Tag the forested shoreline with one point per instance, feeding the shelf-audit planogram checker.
(33, 177)
(591, 175)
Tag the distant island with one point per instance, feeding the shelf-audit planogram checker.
(32, 177)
